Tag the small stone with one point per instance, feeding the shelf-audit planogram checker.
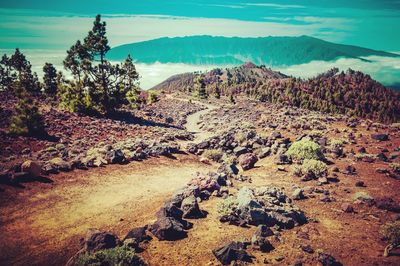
(347, 207)
(33, 168)
(298, 194)
(360, 184)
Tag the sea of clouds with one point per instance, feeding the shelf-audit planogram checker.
(384, 69)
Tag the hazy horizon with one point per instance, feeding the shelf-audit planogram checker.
(45, 30)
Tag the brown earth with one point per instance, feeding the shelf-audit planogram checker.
(42, 223)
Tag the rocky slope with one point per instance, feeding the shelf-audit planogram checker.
(351, 92)
(236, 196)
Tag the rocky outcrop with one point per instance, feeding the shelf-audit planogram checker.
(234, 251)
(265, 206)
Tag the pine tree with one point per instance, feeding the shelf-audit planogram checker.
(50, 79)
(22, 67)
(200, 85)
(26, 119)
(104, 86)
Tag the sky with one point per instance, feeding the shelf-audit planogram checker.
(49, 27)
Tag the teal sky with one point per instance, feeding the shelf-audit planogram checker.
(57, 24)
(44, 30)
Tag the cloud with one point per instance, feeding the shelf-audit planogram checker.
(384, 69)
(228, 6)
(55, 32)
(274, 5)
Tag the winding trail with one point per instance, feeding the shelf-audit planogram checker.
(42, 225)
(193, 124)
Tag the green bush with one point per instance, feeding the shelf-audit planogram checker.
(26, 119)
(240, 137)
(395, 167)
(226, 206)
(119, 256)
(362, 156)
(311, 167)
(391, 233)
(337, 142)
(152, 98)
(305, 149)
(362, 196)
(315, 134)
(213, 154)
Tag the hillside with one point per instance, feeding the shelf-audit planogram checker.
(236, 76)
(351, 92)
(272, 51)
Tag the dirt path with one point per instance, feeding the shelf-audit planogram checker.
(193, 124)
(45, 222)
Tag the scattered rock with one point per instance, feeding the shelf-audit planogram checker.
(350, 170)
(137, 235)
(298, 194)
(168, 228)
(347, 207)
(234, 251)
(96, 240)
(327, 260)
(191, 209)
(380, 137)
(360, 184)
(33, 168)
(247, 161)
(386, 203)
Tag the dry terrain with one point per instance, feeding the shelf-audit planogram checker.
(42, 221)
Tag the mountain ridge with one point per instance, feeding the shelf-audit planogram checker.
(218, 50)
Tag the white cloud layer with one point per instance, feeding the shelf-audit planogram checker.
(384, 69)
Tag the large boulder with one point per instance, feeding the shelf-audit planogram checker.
(265, 206)
(33, 168)
(115, 156)
(234, 251)
(191, 209)
(96, 240)
(247, 161)
(58, 164)
(137, 235)
(168, 228)
(380, 137)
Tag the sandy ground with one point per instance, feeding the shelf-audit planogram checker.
(41, 224)
(49, 219)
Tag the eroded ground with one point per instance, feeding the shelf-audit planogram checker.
(42, 223)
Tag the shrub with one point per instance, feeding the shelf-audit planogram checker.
(226, 206)
(365, 157)
(121, 256)
(337, 142)
(240, 137)
(395, 167)
(362, 196)
(213, 154)
(152, 98)
(311, 167)
(395, 125)
(315, 134)
(305, 149)
(27, 120)
(391, 233)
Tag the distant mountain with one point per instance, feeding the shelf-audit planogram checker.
(208, 50)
